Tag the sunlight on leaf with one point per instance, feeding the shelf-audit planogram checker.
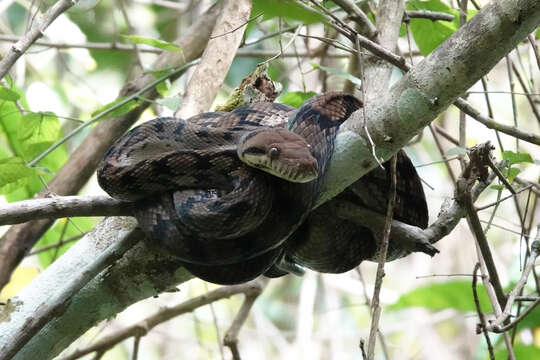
(13, 170)
(287, 9)
(516, 158)
(115, 109)
(160, 44)
(9, 95)
(296, 98)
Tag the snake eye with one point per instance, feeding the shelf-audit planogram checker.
(273, 153)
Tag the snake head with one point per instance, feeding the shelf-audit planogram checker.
(279, 152)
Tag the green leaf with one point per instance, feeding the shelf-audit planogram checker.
(116, 109)
(13, 171)
(62, 230)
(512, 173)
(37, 132)
(338, 72)
(288, 9)
(9, 95)
(516, 158)
(448, 295)
(160, 44)
(497, 187)
(296, 98)
(170, 102)
(521, 351)
(430, 34)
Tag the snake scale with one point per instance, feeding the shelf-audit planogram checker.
(230, 194)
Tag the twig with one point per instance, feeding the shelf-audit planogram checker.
(57, 245)
(35, 33)
(143, 327)
(441, 151)
(490, 123)
(284, 47)
(483, 207)
(63, 206)
(51, 308)
(482, 326)
(431, 15)
(358, 16)
(535, 49)
(495, 326)
(231, 337)
(477, 169)
(382, 259)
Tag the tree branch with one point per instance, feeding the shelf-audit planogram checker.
(55, 207)
(37, 31)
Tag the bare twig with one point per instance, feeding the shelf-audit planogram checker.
(482, 326)
(495, 326)
(382, 259)
(431, 15)
(490, 123)
(231, 337)
(143, 327)
(366, 27)
(33, 34)
(62, 206)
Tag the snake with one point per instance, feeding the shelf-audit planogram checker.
(230, 194)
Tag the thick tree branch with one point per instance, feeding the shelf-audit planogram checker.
(429, 88)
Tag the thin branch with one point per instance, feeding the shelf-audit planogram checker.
(63, 206)
(382, 260)
(482, 325)
(231, 337)
(431, 15)
(492, 124)
(144, 326)
(37, 31)
(495, 326)
(357, 15)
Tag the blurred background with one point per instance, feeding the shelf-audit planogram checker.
(428, 309)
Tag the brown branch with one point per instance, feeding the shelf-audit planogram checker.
(382, 260)
(431, 15)
(55, 207)
(482, 326)
(356, 14)
(231, 337)
(141, 328)
(37, 31)
(495, 326)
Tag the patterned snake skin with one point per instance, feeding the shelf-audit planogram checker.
(228, 222)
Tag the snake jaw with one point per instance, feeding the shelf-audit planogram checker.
(279, 152)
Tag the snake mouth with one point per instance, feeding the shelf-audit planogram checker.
(290, 171)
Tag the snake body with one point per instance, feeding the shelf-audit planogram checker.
(202, 195)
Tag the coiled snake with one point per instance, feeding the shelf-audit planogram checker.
(202, 195)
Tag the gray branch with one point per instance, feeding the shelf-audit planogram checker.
(19, 48)
(55, 207)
